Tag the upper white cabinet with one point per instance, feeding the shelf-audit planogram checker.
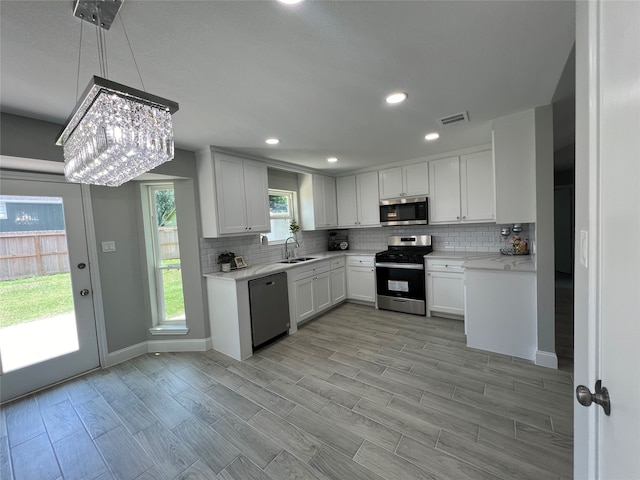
(477, 192)
(234, 195)
(318, 205)
(444, 184)
(407, 181)
(514, 151)
(358, 204)
(462, 189)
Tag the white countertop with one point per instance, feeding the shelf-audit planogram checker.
(497, 261)
(265, 269)
(488, 261)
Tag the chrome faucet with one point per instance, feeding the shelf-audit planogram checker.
(287, 254)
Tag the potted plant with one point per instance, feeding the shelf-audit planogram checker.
(294, 228)
(225, 259)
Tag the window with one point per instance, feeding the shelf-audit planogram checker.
(282, 210)
(164, 258)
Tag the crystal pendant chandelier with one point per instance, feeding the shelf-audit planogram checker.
(116, 132)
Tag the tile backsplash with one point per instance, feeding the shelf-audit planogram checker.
(478, 237)
(253, 252)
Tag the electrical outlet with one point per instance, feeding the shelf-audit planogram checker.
(210, 259)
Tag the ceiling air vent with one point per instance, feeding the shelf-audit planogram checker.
(454, 119)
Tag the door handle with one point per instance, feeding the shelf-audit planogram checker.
(84, 292)
(601, 397)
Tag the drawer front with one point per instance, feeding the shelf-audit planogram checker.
(308, 270)
(337, 262)
(360, 261)
(444, 265)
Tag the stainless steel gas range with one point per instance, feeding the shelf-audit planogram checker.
(400, 279)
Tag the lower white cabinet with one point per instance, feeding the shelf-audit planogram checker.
(316, 287)
(311, 289)
(338, 280)
(361, 278)
(445, 286)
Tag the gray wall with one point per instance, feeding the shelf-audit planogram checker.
(117, 217)
(544, 233)
(126, 315)
(28, 138)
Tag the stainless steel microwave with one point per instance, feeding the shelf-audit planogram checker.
(404, 211)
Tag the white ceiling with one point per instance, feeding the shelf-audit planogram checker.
(314, 75)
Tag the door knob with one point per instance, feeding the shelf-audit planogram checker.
(601, 397)
(84, 292)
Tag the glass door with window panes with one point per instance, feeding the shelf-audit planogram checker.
(47, 324)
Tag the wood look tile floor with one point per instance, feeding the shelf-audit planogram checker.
(356, 394)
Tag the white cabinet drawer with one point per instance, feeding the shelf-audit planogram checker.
(337, 262)
(360, 260)
(445, 265)
(309, 270)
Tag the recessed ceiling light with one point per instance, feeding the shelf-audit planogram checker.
(432, 136)
(397, 97)
(291, 2)
(332, 159)
(272, 141)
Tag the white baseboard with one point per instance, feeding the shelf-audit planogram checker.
(152, 346)
(125, 354)
(546, 359)
(195, 345)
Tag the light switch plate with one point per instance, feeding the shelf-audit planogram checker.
(584, 248)
(108, 247)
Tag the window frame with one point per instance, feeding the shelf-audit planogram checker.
(293, 195)
(155, 268)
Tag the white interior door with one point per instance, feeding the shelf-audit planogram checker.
(607, 308)
(47, 323)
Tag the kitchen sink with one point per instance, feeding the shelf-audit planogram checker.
(297, 260)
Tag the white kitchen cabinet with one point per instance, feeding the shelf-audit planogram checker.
(444, 185)
(514, 151)
(256, 184)
(462, 189)
(310, 288)
(361, 278)
(338, 280)
(406, 181)
(358, 204)
(445, 286)
(318, 204)
(234, 195)
(477, 191)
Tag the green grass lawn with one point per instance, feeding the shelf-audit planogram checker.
(173, 293)
(28, 299)
(32, 298)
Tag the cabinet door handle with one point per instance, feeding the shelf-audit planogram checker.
(458, 218)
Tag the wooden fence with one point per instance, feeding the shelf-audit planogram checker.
(168, 237)
(29, 254)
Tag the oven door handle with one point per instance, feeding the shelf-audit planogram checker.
(402, 266)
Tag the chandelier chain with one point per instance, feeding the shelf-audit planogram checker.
(131, 50)
(79, 57)
(102, 52)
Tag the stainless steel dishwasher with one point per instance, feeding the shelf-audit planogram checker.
(269, 301)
